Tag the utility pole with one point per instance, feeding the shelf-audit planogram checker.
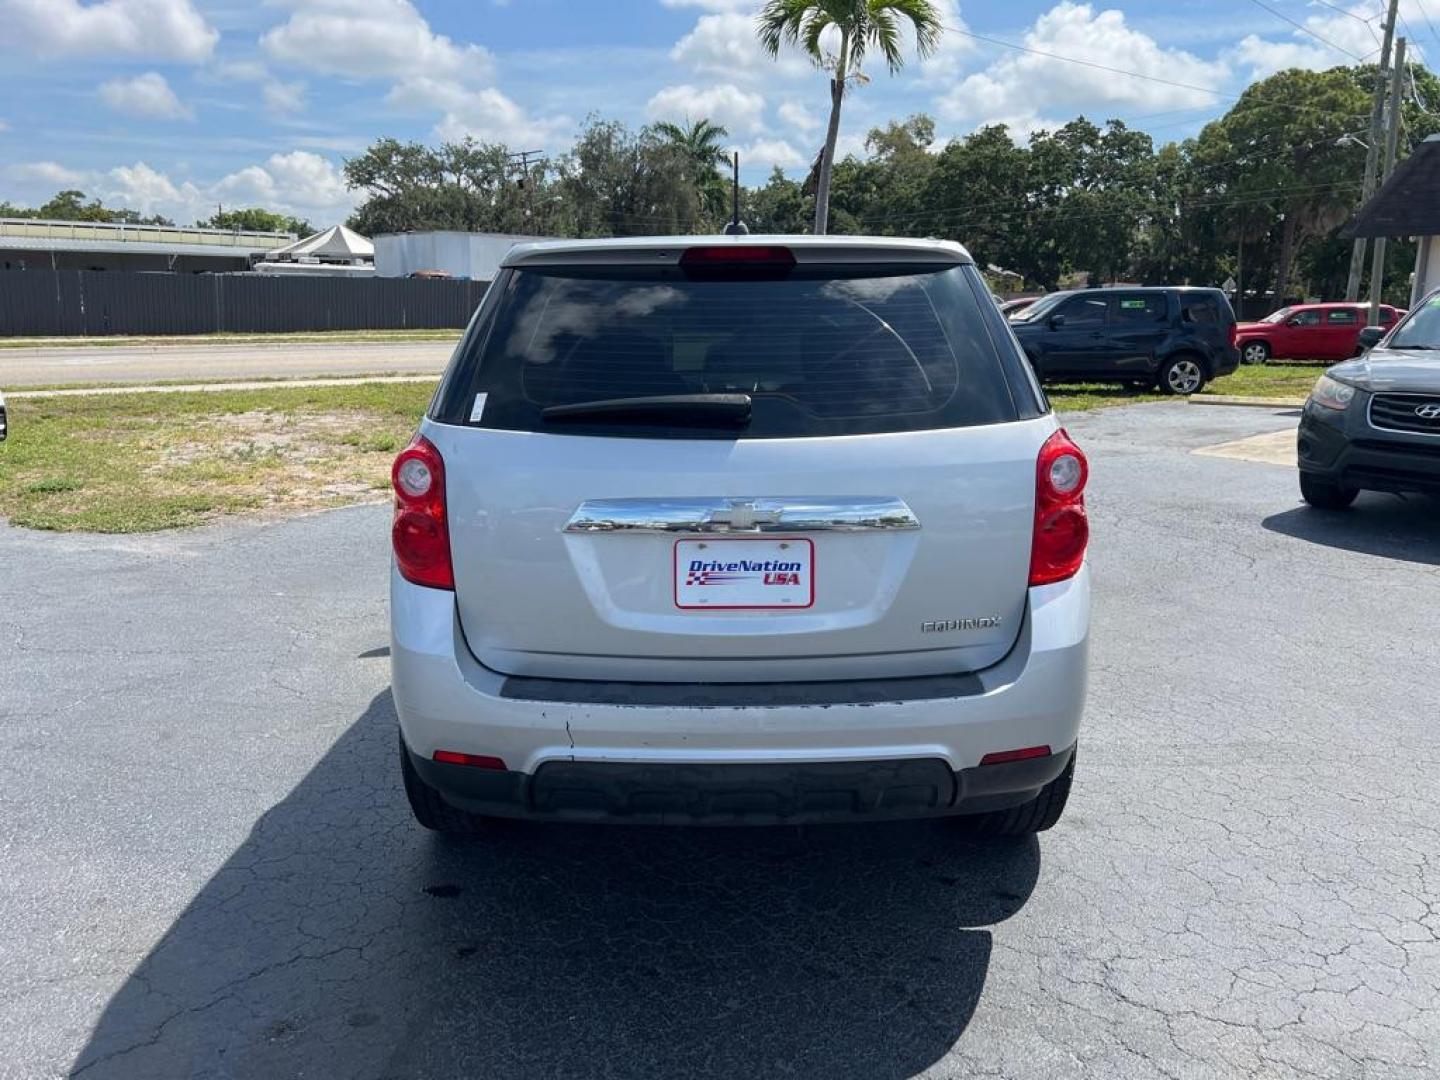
(1372, 150)
(1392, 142)
(525, 185)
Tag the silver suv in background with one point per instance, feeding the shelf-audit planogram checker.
(739, 530)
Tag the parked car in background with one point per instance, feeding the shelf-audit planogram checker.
(1309, 332)
(4, 420)
(1373, 424)
(1011, 308)
(651, 563)
(1176, 338)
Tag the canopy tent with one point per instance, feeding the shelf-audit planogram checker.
(336, 244)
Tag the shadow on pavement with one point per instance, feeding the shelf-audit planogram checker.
(1390, 526)
(342, 941)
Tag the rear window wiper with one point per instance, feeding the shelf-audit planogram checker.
(730, 410)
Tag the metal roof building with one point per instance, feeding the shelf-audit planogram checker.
(27, 243)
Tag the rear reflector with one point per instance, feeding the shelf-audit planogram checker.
(738, 255)
(1002, 756)
(479, 761)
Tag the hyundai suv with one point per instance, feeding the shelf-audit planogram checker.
(1176, 338)
(739, 530)
(1373, 424)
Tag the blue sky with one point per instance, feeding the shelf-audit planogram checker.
(174, 106)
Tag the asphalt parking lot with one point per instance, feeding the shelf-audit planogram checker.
(209, 869)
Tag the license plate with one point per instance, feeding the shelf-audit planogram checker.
(731, 573)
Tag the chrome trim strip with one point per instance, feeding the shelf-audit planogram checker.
(1370, 412)
(742, 515)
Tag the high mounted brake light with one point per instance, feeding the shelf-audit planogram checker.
(1062, 531)
(737, 255)
(420, 534)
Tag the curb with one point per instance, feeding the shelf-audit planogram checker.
(209, 388)
(1248, 402)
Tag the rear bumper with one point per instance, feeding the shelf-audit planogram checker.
(1346, 451)
(757, 794)
(1227, 360)
(793, 752)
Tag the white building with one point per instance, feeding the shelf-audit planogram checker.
(460, 254)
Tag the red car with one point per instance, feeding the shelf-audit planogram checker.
(1309, 332)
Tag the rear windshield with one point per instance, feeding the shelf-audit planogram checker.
(819, 352)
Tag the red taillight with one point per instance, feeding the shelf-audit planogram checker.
(1062, 530)
(1000, 757)
(420, 534)
(738, 255)
(1234, 334)
(478, 761)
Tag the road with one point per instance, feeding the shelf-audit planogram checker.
(76, 365)
(209, 869)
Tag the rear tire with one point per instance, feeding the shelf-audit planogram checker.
(1182, 375)
(1255, 352)
(1325, 494)
(1035, 816)
(430, 809)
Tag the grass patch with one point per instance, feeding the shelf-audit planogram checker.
(1280, 381)
(141, 462)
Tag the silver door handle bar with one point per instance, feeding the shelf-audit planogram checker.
(742, 515)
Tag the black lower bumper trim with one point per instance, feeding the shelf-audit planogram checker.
(741, 794)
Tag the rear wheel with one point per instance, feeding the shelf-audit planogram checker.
(1325, 494)
(1037, 815)
(1255, 352)
(430, 809)
(1183, 375)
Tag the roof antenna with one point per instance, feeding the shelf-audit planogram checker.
(736, 227)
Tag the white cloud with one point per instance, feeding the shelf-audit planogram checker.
(726, 104)
(486, 114)
(947, 61)
(155, 29)
(1019, 87)
(371, 39)
(44, 172)
(798, 117)
(1330, 38)
(299, 183)
(147, 96)
(4, 126)
(767, 153)
(142, 188)
(725, 44)
(277, 95)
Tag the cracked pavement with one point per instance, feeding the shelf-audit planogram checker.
(207, 868)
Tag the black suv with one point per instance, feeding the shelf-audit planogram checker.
(1373, 424)
(1175, 338)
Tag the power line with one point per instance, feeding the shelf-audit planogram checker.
(1002, 43)
(1426, 15)
(1305, 29)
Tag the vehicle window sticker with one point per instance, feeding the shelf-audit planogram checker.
(478, 409)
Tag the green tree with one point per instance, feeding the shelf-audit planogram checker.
(1280, 157)
(862, 25)
(617, 182)
(701, 143)
(256, 219)
(465, 185)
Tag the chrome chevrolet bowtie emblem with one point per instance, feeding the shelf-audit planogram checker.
(1430, 411)
(740, 514)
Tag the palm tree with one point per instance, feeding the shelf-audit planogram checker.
(863, 25)
(700, 144)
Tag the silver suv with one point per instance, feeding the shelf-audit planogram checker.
(739, 530)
